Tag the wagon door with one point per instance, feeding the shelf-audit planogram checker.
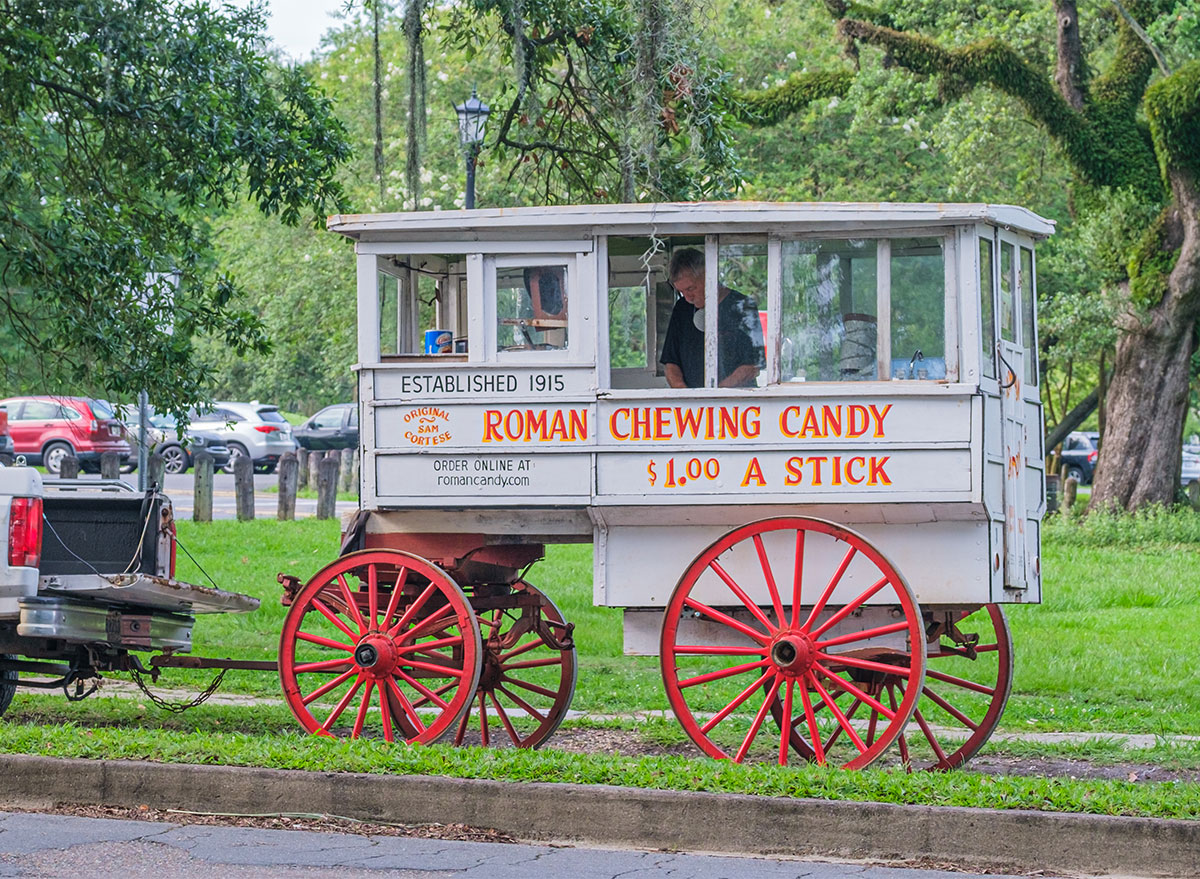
(1013, 414)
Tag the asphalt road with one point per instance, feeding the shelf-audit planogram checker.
(266, 503)
(52, 846)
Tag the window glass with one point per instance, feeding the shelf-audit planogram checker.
(829, 315)
(1008, 312)
(1028, 335)
(627, 327)
(741, 314)
(987, 291)
(353, 422)
(101, 409)
(328, 419)
(67, 412)
(918, 308)
(531, 308)
(389, 314)
(271, 414)
(39, 410)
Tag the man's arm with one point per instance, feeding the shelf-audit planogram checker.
(674, 375)
(743, 376)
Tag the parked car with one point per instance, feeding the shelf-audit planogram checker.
(6, 443)
(1079, 452)
(334, 427)
(1190, 471)
(250, 430)
(179, 454)
(47, 429)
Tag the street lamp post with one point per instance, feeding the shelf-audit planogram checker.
(472, 117)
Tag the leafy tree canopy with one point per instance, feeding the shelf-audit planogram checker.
(125, 126)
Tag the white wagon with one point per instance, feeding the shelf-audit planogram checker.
(829, 544)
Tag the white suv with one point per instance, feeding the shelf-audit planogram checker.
(249, 429)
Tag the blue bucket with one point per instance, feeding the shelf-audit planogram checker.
(438, 341)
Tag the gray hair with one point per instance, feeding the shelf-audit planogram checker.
(689, 259)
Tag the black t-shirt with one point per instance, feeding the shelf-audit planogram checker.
(739, 339)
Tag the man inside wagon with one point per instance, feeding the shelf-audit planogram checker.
(740, 355)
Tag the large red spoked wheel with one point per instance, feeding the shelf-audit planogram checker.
(967, 682)
(802, 619)
(380, 643)
(529, 669)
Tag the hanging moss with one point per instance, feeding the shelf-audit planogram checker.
(1173, 108)
(768, 106)
(1150, 264)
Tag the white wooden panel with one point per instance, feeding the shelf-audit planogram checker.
(817, 474)
(509, 479)
(943, 562)
(397, 248)
(443, 427)
(368, 309)
(438, 382)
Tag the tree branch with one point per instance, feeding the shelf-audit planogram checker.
(1159, 58)
(768, 106)
(1070, 75)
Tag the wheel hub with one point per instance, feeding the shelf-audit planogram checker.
(376, 656)
(793, 653)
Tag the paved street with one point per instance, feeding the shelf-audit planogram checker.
(53, 846)
(266, 503)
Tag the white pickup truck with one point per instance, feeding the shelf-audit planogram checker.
(88, 577)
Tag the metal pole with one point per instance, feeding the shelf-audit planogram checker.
(471, 153)
(143, 455)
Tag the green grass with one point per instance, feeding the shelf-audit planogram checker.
(1107, 653)
(311, 493)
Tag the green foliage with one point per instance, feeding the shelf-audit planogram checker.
(1150, 263)
(1173, 109)
(123, 125)
(772, 105)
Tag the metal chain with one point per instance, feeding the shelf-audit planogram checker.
(178, 707)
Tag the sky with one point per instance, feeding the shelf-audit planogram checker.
(296, 26)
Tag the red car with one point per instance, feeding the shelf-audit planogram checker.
(47, 429)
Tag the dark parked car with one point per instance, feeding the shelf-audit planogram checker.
(47, 429)
(1079, 452)
(334, 427)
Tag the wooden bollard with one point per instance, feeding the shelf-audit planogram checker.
(156, 471)
(288, 471)
(110, 465)
(69, 468)
(1070, 487)
(1193, 494)
(347, 469)
(327, 478)
(302, 467)
(202, 490)
(314, 461)
(243, 487)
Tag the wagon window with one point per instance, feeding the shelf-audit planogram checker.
(829, 310)
(531, 308)
(918, 308)
(627, 327)
(1008, 310)
(741, 313)
(987, 310)
(1028, 333)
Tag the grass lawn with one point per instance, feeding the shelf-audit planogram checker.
(1107, 653)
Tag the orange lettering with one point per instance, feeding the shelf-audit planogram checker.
(836, 479)
(753, 471)
(857, 415)
(831, 417)
(641, 424)
(535, 425)
(662, 424)
(578, 425)
(558, 426)
(879, 416)
(491, 420)
(850, 477)
(612, 424)
(794, 471)
(785, 426)
(878, 476)
(750, 426)
(810, 427)
(729, 424)
(816, 465)
(687, 421)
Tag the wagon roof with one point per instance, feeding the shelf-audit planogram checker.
(680, 217)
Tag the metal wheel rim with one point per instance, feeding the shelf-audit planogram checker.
(759, 663)
(174, 459)
(55, 456)
(423, 649)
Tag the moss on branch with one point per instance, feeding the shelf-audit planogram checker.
(1173, 108)
(768, 106)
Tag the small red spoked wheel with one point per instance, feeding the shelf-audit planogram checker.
(529, 669)
(967, 681)
(380, 643)
(802, 619)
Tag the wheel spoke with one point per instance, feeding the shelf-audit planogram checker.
(723, 673)
(718, 616)
(434, 694)
(394, 600)
(718, 650)
(429, 646)
(440, 622)
(534, 663)
(849, 608)
(412, 609)
(385, 712)
(959, 682)
(373, 600)
(903, 740)
(440, 669)
(430, 695)
(738, 700)
(842, 720)
(329, 685)
(951, 710)
(508, 727)
(858, 693)
(365, 704)
(797, 577)
(837, 730)
(929, 736)
(521, 703)
(785, 722)
(341, 706)
(484, 738)
(810, 716)
(326, 612)
(871, 726)
(903, 671)
(324, 642)
(524, 648)
(773, 589)
(406, 706)
(325, 665)
(533, 688)
(828, 593)
(758, 720)
(737, 590)
(351, 606)
(862, 635)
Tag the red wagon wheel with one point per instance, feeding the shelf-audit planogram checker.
(380, 642)
(803, 656)
(529, 670)
(967, 682)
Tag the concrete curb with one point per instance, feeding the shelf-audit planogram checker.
(648, 819)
